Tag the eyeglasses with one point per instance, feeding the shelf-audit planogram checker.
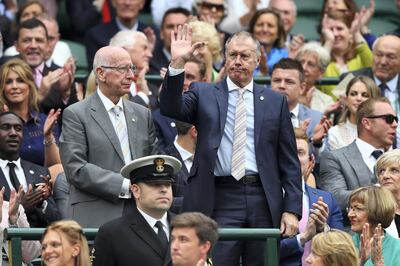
(388, 118)
(356, 209)
(122, 69)
(213, 7)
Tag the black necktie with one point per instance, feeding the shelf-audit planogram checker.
(377, 153)
(161, 235)
(13, 176)
(383, 88)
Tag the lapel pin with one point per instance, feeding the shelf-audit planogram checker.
(173, 124)
(133, 120)
(31, 172)
(262, 98)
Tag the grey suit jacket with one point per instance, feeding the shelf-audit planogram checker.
(92, 157)
(342, 171)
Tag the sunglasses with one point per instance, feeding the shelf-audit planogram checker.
(389, 119)
(212, 6)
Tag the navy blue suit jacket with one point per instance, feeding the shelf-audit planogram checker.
(290, 254)
(165, 129)
(205, 105)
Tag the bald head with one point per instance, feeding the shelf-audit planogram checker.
(386, 52)
(109, 55)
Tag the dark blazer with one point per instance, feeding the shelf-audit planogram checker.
(205, 106)
(129, 241)
(158, 60)
(290, 254)
(100, 36)
(165, 129)
(178, 187)
(36, 218)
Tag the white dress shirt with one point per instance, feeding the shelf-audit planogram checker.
(152, 222)
(366, 150)
(19, 171)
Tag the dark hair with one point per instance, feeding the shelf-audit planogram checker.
(31, 24)
(182, 128)
(288, 63)
(175, 10)
(12, 113)
(205, 227)
(280, 41)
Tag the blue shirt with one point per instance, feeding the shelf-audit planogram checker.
(274, 55)
(224, 153)
(32, 148)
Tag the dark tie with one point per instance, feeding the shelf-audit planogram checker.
(13, 176)
(383, 88)
(161, 235)
(377, 154)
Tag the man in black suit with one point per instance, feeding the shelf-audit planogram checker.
(141, 235)
(385, 71)
(126, 19)
(39, 206)
(183, 149)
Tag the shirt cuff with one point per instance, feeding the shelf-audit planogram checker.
(144, 97)
(175, 71)
(301, 248)
(124, 194)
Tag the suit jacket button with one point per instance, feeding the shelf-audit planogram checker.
(122, 194)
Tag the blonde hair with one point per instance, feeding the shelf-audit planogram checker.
(388, 158)
(206, 32)
(380, 204)
(24, 71)
(335, 248)
(74, 234)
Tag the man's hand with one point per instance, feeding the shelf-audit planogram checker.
(321, 129)
(32, 198)
(289, 224)
(181, 46)
(320, 213)
(15, 201)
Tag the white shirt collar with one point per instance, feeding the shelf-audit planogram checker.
(3, 163)
(184, 153)
(296, 110)
(108, 104)
(392, 84)
(365, 148)
(123, 27)
(152, 221)
(232, 86)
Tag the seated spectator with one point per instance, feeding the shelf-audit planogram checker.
(348, 168)
(210, 53)
(314, 58)
(349, 8)
(288, 12)
(127, 13)
(341, 35)
(387, 170)
(193, 237)
(138, 47)
(38, 203)
(371, 210)
(267, 27)
(66, 240)
(40, 132)
(320, 210)
(13, 215)
(162, 53)
(333, 248)
(358, 90)
(159, 7)
(239, 14)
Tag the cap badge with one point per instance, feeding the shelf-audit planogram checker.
(159, 162)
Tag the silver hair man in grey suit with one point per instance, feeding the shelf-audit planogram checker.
(99, 136)
(352, 166)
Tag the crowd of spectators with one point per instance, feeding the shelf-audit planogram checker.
(248, 152)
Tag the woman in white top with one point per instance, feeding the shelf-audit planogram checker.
(359, 89)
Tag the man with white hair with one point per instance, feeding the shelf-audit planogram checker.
(138, 47)
(288, 12)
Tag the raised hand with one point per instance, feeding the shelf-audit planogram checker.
(320, 213)
(15, 201)
(369, 12)
(182, 47)
(151, 37)
(50, 122)
(321, 129)
(376, 247)
(365, 246)
(263, 62)
(327, 33)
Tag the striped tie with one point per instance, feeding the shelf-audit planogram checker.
(239, 139)
(122, 133)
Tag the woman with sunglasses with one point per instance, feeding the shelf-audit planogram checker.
(358, 90)
(371, 210)
(387, 171)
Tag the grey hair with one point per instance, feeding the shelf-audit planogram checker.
(126, 38)
(313, 47)
(244, 35)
